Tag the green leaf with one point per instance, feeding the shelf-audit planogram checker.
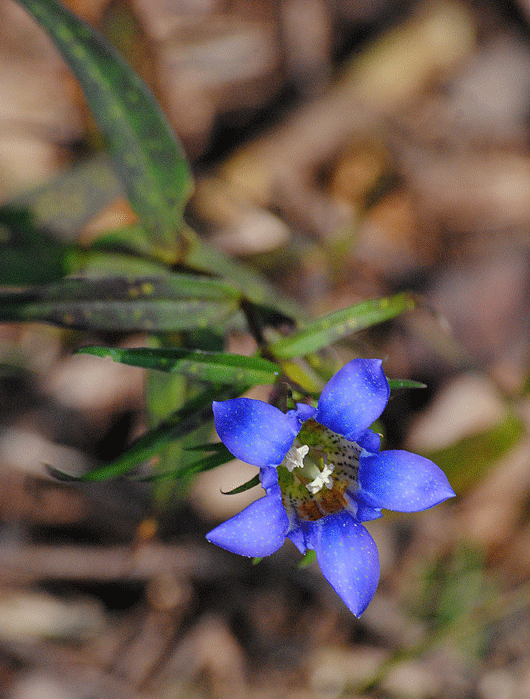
(216, 367)
(164, 395)
(202, 257)
(396, 384)
(206, 463)
(210, 446)
(145, 151)
(299, 371)
(157, 304)
(324, 331)
(252, 483)
(66, 203)
(92, 263)
(193, 415)
(133, 239)
(27, 254)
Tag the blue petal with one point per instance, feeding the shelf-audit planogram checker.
(366, 513)
(301, 535)
(399, 480)
(303, 412)
(254, 431)
(258, 530)
(348, 559)
(369, 440)
(268, 476)
(354, 398)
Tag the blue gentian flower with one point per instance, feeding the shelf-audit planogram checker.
(323, 475)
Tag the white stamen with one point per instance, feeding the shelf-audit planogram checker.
(323, 479)
(295, 457)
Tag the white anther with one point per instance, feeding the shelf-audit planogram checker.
(295, 457)
(323, 479)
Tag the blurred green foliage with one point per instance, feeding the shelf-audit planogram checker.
(157, 277)
(126, 280)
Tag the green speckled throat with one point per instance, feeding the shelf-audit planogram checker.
(317, 472)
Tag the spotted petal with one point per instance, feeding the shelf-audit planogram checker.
(348, 559)
(258, 530)
(402, 481)
(254, 431)
(354, 398)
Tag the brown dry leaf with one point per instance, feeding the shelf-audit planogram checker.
(211, 651)
(36, 501)
(276, 169)
(360, 166)
(36, 118)
(484, 300)
(334, 670)
(118, 214)
(38, 115)
(140, 656)
(471, 192)
(491, 514)
(90, 10)
(388, 238)
(212, 67)
(240, 227)
(307, 34)
(468, 404)
(28, 616)
(488, 99)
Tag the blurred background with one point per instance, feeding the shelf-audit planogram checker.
(347, 149)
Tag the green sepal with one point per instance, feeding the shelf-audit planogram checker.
(308, 558)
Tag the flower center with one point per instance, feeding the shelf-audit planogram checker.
(319, 472)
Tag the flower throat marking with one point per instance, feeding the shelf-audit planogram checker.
(317, 472)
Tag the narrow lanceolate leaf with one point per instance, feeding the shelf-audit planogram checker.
(216, 447)
(202, 257)
(216, 367)
(154, 304)
(206, 463)
(145, 151)
(184, 421)
(322, 332)
(405, 383)
(252, 483)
